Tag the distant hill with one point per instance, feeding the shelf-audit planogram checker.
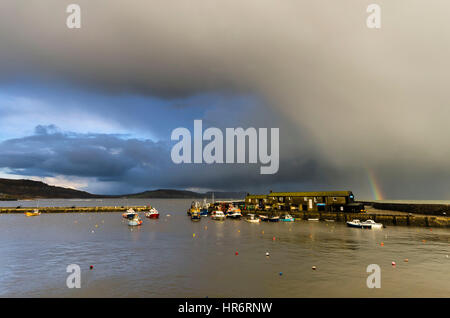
(28, 189)
(171, 194)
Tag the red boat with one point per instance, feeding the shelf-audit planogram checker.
(152, 214)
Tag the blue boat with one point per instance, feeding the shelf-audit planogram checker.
(287, 218)
(195, 216)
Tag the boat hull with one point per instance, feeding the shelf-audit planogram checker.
(350, 224)
(32, 214)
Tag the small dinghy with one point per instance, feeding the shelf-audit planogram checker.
(264, 218)
(135, 221)
(34, 213)
(370, 224)
(313, 220)
(355, 223)
(252, 219)
(287, 218)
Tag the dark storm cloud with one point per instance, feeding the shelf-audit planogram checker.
(136, 164)
(348, 98)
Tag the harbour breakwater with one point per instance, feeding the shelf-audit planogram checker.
(417, 207)
(385, 219)
(74, 209)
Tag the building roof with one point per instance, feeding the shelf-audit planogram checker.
(256, 196)
(311, 194)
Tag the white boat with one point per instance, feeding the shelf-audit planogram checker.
(355, 223)
(314, 220)
(370, 224)
(129, 213)
(253, 219)
(218, 215)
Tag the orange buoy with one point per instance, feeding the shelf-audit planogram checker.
(382, 244)
(406, 260)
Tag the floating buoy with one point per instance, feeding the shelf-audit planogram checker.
(313, 268)
(262, 232)
(193, 235)
(273, 238)
(393, 263)
(96, 225)
(382, 244)
(267, 254)
(281, 273)
(206, 227)
(237, 253)
(92, 231)
(406, 260)
(91, 267)
(423, 241)
(239, 231)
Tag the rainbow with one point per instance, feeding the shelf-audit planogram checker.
(375, 187)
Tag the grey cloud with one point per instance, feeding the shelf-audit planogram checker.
(358, 98)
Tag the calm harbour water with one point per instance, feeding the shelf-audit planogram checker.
(162, 258)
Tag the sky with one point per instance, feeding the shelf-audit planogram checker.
(358, 109)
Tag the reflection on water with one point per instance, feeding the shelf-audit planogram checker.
(162, 258)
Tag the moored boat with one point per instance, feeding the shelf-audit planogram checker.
(218, 216)
(195, 216)
(355, 223)
(287, 218)
(233, 212)
(370, 224)
(152, 214)
(135, 220)
(264, 218)
(129, 212)
(195, 207)
(274, 219)
(313, 220)
(252, 218)
(34, 213)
